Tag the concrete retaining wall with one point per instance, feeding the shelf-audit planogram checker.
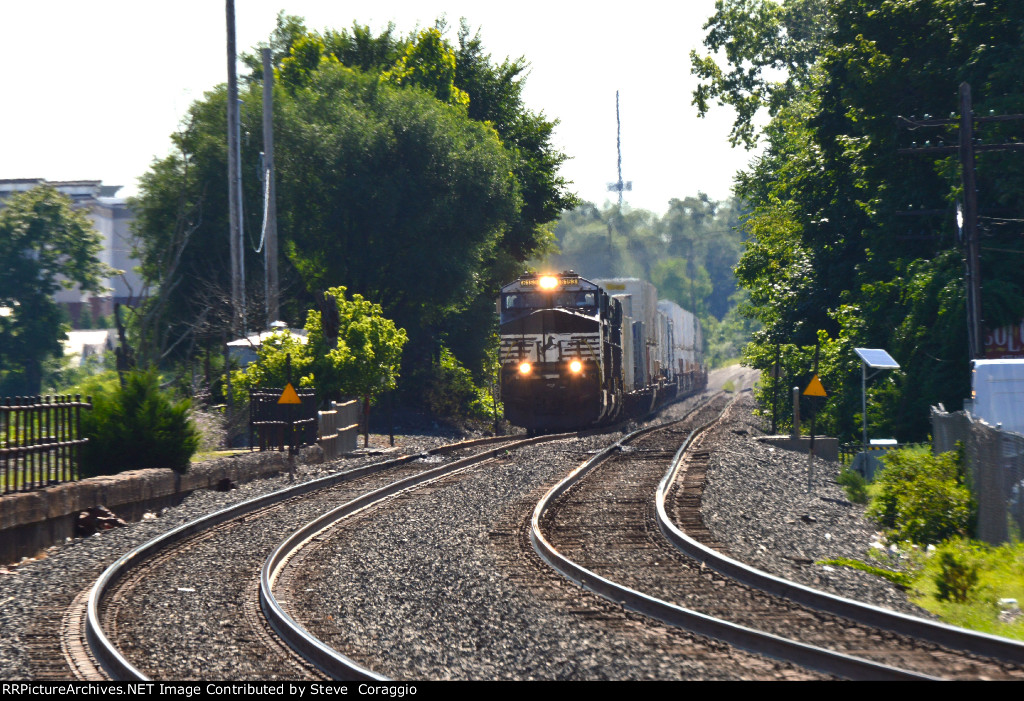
(824, 447)
(33, 521)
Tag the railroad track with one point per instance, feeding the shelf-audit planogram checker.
(601, 528)
(351, 645)
(139, 601)
(495, 610)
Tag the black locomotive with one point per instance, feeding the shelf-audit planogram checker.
(576, 352)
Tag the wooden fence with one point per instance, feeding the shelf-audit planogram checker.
(339, 429)
(274, 426)
(40, 441)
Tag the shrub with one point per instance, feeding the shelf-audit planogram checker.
(957, 572)
(452, 392)
(920, 497)
(854, 485)
(137, 426)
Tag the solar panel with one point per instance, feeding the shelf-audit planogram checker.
(876, 358)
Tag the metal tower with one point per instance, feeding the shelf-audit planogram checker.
(619, 186)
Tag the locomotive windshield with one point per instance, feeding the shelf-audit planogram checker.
(515, 302)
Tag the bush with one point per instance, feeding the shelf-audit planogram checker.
(451, 391)
(957, 572)
(137, 426)
(854, 485)
(921, 498)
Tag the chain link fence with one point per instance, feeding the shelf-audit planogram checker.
(995, 466)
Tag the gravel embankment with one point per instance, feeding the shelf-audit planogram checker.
(35, 592)
(757, 502)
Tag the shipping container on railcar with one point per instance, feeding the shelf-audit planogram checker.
(643, 310)
(561, 352)
(686, 352)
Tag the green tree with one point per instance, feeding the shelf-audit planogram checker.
(770, 52)
(688, 254)
(356, 353)
(388, 183)
(45, 245)
(849, 237)
(351, 349)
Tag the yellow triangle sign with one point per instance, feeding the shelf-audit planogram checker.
(289, 395)
(815, 388)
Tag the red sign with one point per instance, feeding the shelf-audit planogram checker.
(1005, 342)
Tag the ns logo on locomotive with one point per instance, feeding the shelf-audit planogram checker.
(576, 352)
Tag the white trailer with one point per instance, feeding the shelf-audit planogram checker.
(997, 393)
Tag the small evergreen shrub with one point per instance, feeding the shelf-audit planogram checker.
(137, 426)
(957, 573)
(854, 485)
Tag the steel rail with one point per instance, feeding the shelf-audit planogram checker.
(315, 651)
(904, 624)
(115, 664)
(742, 637)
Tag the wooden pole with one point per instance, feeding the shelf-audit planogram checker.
(270, 243)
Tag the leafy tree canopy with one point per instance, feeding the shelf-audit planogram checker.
(853, 243)
(408, 169)
(688, 254)
(45, 244)
(356, 353)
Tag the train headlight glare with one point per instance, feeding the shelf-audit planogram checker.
(548, 283)
(576, 366)
(525, 368)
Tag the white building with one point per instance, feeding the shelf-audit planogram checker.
(111, 217)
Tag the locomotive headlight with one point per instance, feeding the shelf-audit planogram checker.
(548, 282)
(576, 366)
(525, 368)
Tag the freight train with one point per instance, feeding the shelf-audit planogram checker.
(576, 353)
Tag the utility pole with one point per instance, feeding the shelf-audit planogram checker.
(966, 149)
(970, 221)
(234, 182)
(270, 240)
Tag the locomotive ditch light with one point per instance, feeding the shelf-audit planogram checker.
(576, 366)
(548, 282)
(525, 368)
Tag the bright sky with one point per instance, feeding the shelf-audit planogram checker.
(93, 90)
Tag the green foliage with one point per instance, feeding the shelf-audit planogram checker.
(829, 249)
(137, 426)
(963, 581)
(271, 367)
(901, 579)
(452, 392)
(759, 37)
(854, 485)
(921, 497)
(44, 245)
(957, 575)
(429, 63)
(688, 254)
(388, 181)
(361, 359)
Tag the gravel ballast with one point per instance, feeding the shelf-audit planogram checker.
(757, 502)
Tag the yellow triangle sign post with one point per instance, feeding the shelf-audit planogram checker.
(815, 388)
(289, 395)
